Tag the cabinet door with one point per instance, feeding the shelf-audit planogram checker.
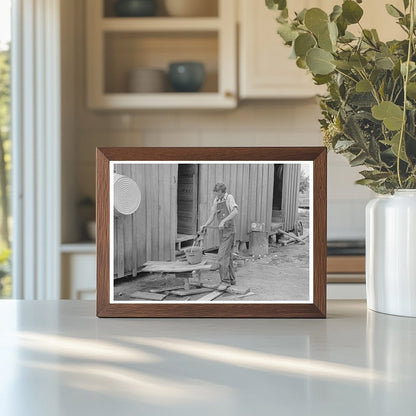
(266, 71)
(78, 276)
(265, 68)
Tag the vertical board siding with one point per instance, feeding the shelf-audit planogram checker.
(290, 195)
(252, 187)
(149, 233)
(187, 198)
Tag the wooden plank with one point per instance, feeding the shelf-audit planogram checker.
(210, 296)
(233, 179)
(202, 195)
(139, 217)
(291, 175)
(219, 173)
(238, 199)
(226, 175)
(155, 192)
(173, 267)
(162, 211)
(174, 209)
(195, 172)
(148, 295)
(180, 238)
(269, 202)
(135, 218)
(166, 289)
(172, 263)
(149, 210)
(252, 201)
(264, 193)
(260, 191)
(184, 292)
(120, 246)
(166, 212)
(211, 239)
(245, 184)
(128, 233)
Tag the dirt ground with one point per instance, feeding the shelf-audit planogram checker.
(282, 275)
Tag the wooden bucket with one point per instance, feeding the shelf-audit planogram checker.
(193, 254)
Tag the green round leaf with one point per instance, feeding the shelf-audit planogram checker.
(316, 20)
(394, 143)
(333, 32)
(287, 33)
(336, 12)
(411, 90)
(303, 43)
(276, 4)
(344, 65)
(351, 11)
(319, 61)
(358, 61)
(325, 42)
(363, 86)
(301, 63)
(391, 114)
(384, 62)
(393, 11)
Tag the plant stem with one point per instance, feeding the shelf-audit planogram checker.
(346, 75)
(406, 79)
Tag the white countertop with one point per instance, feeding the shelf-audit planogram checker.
(57, 358)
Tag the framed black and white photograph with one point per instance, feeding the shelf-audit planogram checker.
(211, 232)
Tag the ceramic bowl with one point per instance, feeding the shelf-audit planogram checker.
(147, 80)
(135, 8)
(186, 76)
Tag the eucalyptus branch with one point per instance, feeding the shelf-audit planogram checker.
(392, 90)
(346, 75)
(373, 88)
(398, 95)
(406, 79)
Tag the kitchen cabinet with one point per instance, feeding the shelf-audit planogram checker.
(78, 263)
(118, 45)
(265, 70)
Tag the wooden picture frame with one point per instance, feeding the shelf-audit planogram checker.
(266, 161)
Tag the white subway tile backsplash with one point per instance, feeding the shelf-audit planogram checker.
(202, 120)
(228, 138)
(161, 119)
(170, 138)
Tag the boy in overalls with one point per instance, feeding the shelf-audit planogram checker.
(225, 209)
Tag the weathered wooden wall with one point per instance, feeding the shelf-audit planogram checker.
(290, 195)
(252, 187)
(149, 233)
(187, 199)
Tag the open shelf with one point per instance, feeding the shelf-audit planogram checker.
(127, 51)
(210, 9)
(160, 24)
(118, 45)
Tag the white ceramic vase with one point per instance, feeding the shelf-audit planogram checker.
(391, 253)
